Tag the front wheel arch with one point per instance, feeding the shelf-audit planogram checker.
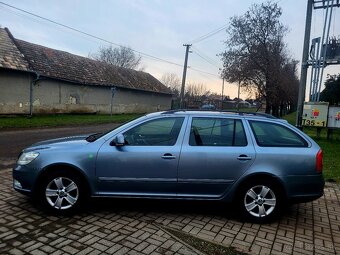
(57, 167)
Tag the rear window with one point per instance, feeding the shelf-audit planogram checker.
(275, 135)
(217, 132)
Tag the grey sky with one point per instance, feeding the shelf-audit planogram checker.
(156, 27)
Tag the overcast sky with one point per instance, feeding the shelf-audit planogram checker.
(155, 27)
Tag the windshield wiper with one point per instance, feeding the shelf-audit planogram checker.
(93, 137)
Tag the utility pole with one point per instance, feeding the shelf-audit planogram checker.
(238, 95)
(222, 93)
(181, 104)
(304, 64)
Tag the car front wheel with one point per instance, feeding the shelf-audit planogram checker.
(61, 193)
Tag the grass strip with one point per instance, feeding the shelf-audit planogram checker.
(201, 245)
(57, 120)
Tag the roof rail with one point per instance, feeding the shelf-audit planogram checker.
(266, 115)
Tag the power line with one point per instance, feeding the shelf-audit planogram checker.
(204, 57)
(200, 71)
(205, 36)
(101, 39)
(35, 19)
(207, 60)
(88, 34)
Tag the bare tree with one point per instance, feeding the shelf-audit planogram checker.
(195, 93)
(173, 82)
(289, 87)
(121, 56)
(196, 90)
(256, 53)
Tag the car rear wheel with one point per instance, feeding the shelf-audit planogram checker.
(259, 201)
(62, 192)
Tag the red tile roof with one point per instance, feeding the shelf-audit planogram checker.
(62, 65)
(10, 56)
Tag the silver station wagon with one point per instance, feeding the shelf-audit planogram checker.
(254, 161)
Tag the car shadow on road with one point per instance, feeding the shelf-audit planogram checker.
(160, 207)
(152, 209)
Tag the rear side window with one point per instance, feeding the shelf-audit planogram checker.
(274, 135)
(217, 132)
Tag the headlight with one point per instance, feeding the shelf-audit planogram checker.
(27, 157)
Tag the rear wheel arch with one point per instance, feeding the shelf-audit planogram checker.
(261, 177)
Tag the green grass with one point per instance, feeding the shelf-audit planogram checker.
(203, 246)
(8, 122)
(331, 149)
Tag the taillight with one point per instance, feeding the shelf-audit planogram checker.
(319, 164)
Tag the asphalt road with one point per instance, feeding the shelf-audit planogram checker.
(13, 141)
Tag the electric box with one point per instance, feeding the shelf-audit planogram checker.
(334, 117)
(315, 114)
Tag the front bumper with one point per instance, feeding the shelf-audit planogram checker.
(23, 179)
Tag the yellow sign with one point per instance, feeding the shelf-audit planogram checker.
(315, 114)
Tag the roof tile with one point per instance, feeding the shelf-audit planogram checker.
(66, 66)
(10, 56)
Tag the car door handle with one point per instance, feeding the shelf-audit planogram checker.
(243, 157)
(168, 156)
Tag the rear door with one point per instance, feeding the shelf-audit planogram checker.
(215, 153)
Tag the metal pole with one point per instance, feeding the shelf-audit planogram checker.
(314, 67)
(317, 71)
(311, 85)
(184, 75)
(304, 64)
(222, 93)
(325, 41)
(113, 91)
(238, 96)
(32, 83)
(31, 98)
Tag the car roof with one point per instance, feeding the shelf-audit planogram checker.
(214, 113)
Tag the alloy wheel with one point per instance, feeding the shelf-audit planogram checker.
(62, 193)
(260, 201)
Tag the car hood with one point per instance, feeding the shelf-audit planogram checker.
(58, 142)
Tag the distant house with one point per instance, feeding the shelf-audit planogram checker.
(44, 80)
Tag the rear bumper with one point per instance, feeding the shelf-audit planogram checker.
(304, 188)
(304, 199)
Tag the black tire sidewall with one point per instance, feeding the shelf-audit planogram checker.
(55, 174)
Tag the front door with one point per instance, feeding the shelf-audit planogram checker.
(146, 165)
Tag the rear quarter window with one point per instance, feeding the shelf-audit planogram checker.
(269, 134)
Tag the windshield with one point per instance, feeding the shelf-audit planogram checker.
(93, 137)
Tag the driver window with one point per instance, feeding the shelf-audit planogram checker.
(159, 132)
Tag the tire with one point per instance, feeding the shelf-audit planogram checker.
(61, 192)
(260, 201)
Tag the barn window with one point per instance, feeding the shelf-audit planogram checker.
(73, 100)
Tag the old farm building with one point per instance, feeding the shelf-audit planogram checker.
(54, 81)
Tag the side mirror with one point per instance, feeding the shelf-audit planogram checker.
(119, 140)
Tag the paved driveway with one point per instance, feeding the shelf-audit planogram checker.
(112, 226)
